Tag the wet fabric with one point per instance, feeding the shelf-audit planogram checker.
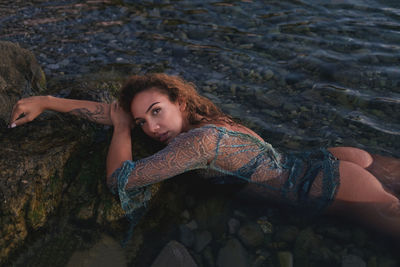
(308, 180)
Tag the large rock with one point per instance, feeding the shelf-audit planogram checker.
(52, 169)
(20, 75)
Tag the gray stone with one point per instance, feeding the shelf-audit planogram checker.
(233, 225)
(353, 261)
(251, 235)
(233, 254)
(186, 236)
(285, 259)
(306, 242)
(185, 215)
(192, 225)
(53, 66)
(287, 233)
(174, 254)
(203, 238)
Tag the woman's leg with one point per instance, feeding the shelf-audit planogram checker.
(385, 169)
(361, 197)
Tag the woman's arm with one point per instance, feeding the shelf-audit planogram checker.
(27, 109)
(188, 151)
(120, 149)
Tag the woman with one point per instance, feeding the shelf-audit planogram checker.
(342, 180)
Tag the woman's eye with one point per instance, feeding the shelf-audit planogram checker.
(156, 111)
(140, 123)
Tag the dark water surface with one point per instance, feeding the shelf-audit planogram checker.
(302, 73)
(306, 73)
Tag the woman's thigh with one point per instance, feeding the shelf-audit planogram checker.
(362, 198)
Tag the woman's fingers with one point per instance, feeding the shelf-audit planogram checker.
(20, 121)
(16, 113)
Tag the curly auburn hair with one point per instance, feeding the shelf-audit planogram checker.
(177, 89)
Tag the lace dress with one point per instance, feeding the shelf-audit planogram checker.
(307, 179)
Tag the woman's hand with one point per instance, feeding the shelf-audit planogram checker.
(120, 118)
(27, 109)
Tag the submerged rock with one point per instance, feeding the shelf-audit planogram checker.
(251, 235)
(174, 254)
(233, 254)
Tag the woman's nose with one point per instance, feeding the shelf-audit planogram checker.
(154, 127)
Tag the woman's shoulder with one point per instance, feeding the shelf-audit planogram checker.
(203, 133)
(235, 128)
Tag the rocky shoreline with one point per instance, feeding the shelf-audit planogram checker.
(54, 202)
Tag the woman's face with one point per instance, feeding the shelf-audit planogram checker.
(159, 118)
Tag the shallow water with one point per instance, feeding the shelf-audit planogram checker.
(306, 73)
(302, 73)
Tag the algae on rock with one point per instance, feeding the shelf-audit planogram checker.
(52, 169)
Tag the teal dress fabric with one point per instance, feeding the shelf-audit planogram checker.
(308, 179)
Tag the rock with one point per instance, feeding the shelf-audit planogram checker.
(306, 242)
(359, 237)
(192, 225)
(287, 233)
(174, 254)
(20, 76)
(353, 261)
(259, 261)
(212, 215)
(51, 167)
(185, 215)
(285, 259)
(233, 225)
(265, 225)
(268, 74)
(203, 238)
(208, 257)
(32, 179)
(251, 235)
(233, 254)
(387, 262)
(106, 252)
(186, 236)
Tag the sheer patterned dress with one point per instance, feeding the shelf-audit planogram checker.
(307, 180)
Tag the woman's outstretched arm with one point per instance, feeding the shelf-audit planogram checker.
(27, 109)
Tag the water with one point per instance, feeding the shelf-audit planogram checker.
(302, 73)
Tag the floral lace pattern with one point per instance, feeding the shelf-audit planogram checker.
(308, 179)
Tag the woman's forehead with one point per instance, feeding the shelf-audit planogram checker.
(143, 100)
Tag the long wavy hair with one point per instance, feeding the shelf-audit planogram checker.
(177, 89)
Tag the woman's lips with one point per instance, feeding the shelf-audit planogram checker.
(163, 137)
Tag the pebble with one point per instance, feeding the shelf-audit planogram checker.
(192, 225)
(233, 225)
(185, 215)
(251, 235)
(353, 261)
(186, 236)
(233, 254)
(285, 259)
(203, 238)
(174, 254)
